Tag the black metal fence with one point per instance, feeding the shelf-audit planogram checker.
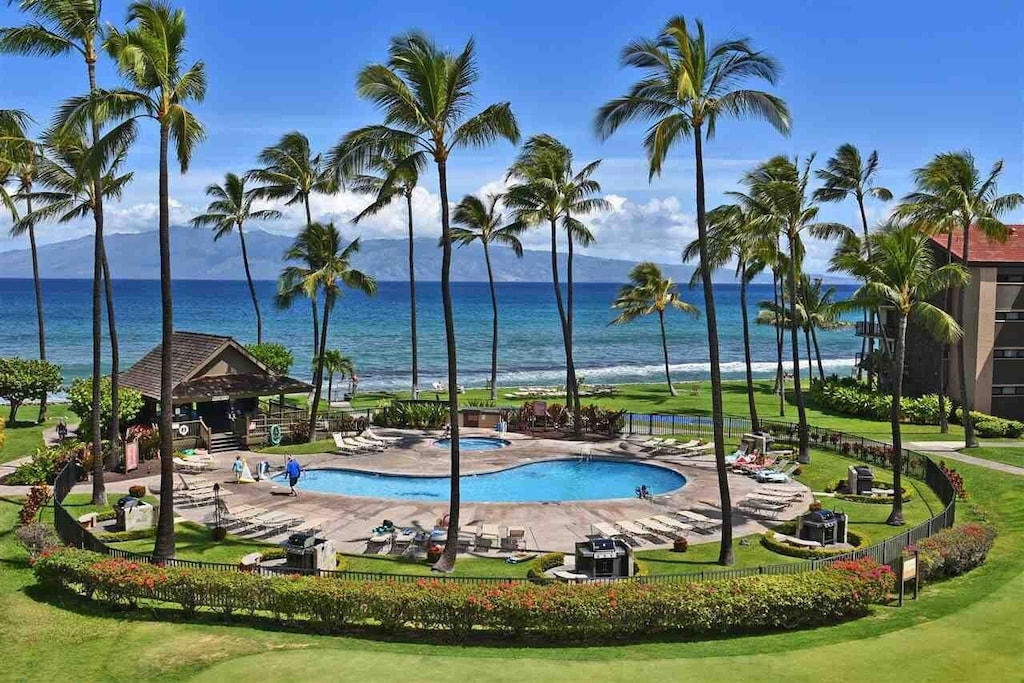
(915, 465)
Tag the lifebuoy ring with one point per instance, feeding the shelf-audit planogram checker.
(274, 435)
(183, 430)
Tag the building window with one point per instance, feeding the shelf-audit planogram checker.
(1008, 353)
(1008, 390)
(1009, 316)
(1010, 277)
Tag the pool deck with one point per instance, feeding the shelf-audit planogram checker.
(550, 526)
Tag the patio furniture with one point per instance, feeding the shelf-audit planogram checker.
(487, 535)
(609, 531)
(514, 538)
(657, 527)
(674, 523)
(636, 530)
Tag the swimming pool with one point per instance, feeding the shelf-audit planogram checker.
(535, 482)
(474, 443)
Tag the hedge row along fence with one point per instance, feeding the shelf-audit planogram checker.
(842, 591)
(880, 454)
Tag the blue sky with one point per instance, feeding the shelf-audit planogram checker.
(906, 78)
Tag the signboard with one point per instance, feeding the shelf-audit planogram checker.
(131, 456)
(908, 572)
(540, 408)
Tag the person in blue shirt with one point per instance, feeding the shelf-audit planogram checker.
(294, 471)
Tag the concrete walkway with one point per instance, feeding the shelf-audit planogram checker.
(950, 450)
(980, 462)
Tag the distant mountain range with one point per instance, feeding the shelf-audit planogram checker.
(194, 256)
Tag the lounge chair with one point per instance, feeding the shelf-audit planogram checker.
(673, 523)
(192, 467)
(786, 498)
(273, 522)
(239, 515)
(368, 433)
(465, 540)
(310, 525)
(702, 523)
(514, 538)
(702, 448)
(487, 535)
(609, 531)
(401, 540)
(658, 528)
(761, 507)
(363, 446)
(636, 530)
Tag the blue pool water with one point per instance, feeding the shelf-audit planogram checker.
(474, 443)
(541, 481)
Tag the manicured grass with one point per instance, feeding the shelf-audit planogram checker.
(321, 446)
(1009, 455)
(26, 436)
(195, 542)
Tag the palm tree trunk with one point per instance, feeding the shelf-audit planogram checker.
(869, 316)
(446, 562)
(330, 386)
(725, 554)
(807, 345)
(577, 423)
(494, 327)
(780, 303)
(412, 301)
(252, 287)
(312, 301)
(164, 547)
(115, 366)
(803, 452)
(318, 375)
(944, 357)
(99, 490)
(965, 397)
(40, 322)
(562, 317)
(896, 516)
(664, 350)
(751, 402)
(817, 354)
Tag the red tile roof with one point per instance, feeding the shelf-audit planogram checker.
(985, 250)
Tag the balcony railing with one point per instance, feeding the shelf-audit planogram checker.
(873, 329)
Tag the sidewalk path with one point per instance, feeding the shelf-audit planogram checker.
(980, 462)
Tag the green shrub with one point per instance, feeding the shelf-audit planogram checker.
(991, 427)
(536, 567)
(47, 462)
(549, 611)
(121, 536)
(955, 551)
(80, 397)
(848, 396)
(408, 415)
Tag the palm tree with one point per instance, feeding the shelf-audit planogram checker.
(332, 269)
(230, 209)
(382, 178)
(732, 235)
(57, 28)
(647, 292)
(778, 200)
(847, 175)
(820, 313)
(424, 93)
(952, 196)
(290, 171)
(482, 222)
(150, 55)
(686, 87)
(548, 189)
(902, 276)
(23, 158)
(337, 363)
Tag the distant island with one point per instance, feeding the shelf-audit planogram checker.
(195, 256)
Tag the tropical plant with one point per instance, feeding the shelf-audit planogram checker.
(382, 176)
(424, 93)
(732, 235)
(686, 87)
(820, 312)
(277, 357)
(332, 261)
(74, 27)
(291, 172)
(847, 175)
(952, 196)
(337, 363)
(548, 189)
(649, 291)
(150, 55)
(483, 222)
(777, 198)
(230, 209)
(902, 276)
(129, 405)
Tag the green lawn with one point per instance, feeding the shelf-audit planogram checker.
(25, 437)
(321, 446)
(1008, 455)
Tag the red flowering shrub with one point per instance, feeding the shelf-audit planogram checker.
(38, 497)
(955, 551)
(559, 610)
(955, 478)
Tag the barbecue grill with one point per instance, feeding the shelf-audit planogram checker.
(827, 527)
(306, 552)
(860, 480)
(604, 558)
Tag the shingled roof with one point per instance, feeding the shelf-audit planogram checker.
(191, 351)
(985, 250)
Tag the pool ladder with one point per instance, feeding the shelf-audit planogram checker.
(584, 454)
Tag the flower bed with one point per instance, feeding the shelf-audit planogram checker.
(559, 611)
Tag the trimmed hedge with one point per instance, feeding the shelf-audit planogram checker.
(855, 538)
(953, 552)
(552, 611)
(536, 567)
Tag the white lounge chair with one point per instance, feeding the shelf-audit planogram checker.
(609, 531)
(487, 535)
(514, 538)
(636, 530)
(674, 523)
(370, 434)
(658, 528)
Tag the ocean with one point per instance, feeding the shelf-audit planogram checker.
(374, 330)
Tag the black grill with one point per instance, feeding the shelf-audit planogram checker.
(301, 541)
(602, 544)
(821, 517)
(126, 502)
